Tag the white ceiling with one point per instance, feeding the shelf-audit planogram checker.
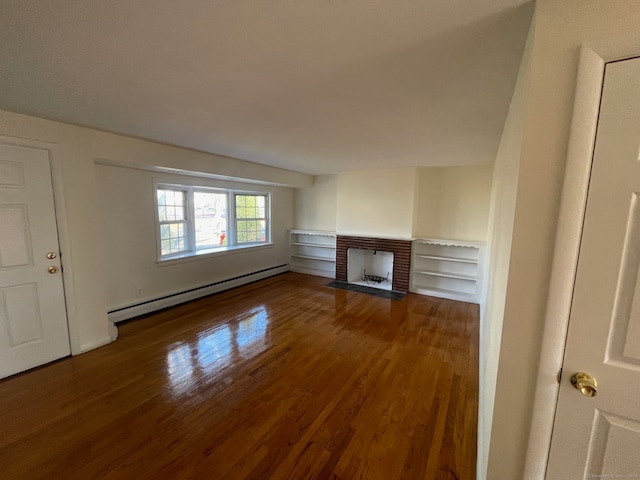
(317, 86)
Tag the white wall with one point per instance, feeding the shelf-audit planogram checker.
(560, 28)
(502, 211)
(73, 151)
(315, 208)
(376, 202)
(426, 202)
(453, 203)
(130, 258)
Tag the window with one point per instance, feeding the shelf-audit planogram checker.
(210, 213)
(251, 219)
(195, 220)
(172, 216)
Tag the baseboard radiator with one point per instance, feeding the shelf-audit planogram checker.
(149, 306)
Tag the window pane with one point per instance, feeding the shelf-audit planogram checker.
(250, 206)
(251, 218)
(166, 247)
(178, 212)
(171, 204)
(262, 226)
(210, 219)
(242, 206)
(172, 238)
(251, 231)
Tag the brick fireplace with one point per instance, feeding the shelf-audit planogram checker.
(401, 257)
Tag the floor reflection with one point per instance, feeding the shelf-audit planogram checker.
(190, 364)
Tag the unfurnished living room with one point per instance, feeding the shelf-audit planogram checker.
(351, 239)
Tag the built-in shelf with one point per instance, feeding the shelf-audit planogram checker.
(444, 293)
(449, 259)
(331, 247)
(310, 257)
(447, 269)
(313, 252)
(446, 274)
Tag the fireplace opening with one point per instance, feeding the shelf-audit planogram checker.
(401, 258)
(370, 268)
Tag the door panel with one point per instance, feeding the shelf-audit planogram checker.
(21, 313)
(614, 447)
(15, 242)
(600, 436)
(11, 174)
(624, 347)
(33, 321)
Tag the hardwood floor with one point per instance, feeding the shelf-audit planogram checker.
(284, 379)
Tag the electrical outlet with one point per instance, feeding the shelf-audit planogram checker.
(138, 292)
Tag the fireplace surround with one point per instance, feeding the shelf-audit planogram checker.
(401, 250)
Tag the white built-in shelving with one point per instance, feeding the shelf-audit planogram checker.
(313, 252)
(448, 269)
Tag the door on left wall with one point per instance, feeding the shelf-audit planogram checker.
(33, 318)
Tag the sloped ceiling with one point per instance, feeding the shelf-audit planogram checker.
(318, 86)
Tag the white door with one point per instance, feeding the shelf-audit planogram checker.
(33, 320)
(599, 436)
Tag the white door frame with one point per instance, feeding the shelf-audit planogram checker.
(593, 57)
(55, 161)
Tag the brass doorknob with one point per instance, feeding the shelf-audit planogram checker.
(585, 383)
(52, 269)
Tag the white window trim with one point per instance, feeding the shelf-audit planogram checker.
(186, 220)
(267, 212)
(192, 253)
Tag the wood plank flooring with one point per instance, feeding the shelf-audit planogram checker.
(281, 379)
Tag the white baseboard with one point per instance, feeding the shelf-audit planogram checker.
(85, 347)
(149, 306)
(315, 271)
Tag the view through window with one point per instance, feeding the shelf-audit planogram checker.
(194, 220)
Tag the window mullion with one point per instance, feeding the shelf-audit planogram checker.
(267, 218)
(190, 219)
(231, 219)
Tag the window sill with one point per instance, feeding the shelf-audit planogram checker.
(210, 253)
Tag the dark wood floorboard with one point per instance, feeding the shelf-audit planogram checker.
(281, 379)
